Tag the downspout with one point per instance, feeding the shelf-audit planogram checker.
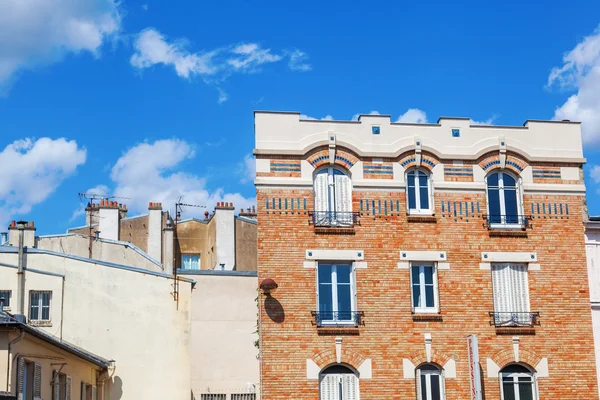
(62, 308)
(20, 270)
(8, 360)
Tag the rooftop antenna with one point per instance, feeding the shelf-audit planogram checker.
(178, 210)
(90, 199)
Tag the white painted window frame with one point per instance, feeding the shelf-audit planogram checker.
(439, 372)
(424, 310)
(502, 199)
(532, 375)
(334, 293)
(191, 255)
(418, 210)
(40, 305)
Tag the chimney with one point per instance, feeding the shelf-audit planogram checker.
(109, 220)
(155, 231)
(250, 213)
(206, 214)
(91, 214)
(28, 234)
(122, 210)
(225, 235)
(168, 245)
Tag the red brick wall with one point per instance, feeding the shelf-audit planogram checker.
(559, 291)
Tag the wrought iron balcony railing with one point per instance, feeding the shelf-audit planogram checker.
(334, 219)
(514, 319)
(507, 221)
(345, 318)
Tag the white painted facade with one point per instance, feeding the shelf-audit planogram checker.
(223, 331)
(128, 314)
(592, 245)
(155, 233)
(225, 238)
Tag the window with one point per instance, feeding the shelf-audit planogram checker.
(29, 376)
(39, 305)
(213, 396)
(88, 392)
(517, 383)
(333, 198)
(424, 288)
(336, 294)
(5, 298)
(243, 396)
(503, 199)
(338, 382)
(28, 380)
(430, 385)
(511, 295)
(418, 192)
(190, 261)
(61, 386)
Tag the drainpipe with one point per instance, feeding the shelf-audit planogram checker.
(9, 363)
(20, 270)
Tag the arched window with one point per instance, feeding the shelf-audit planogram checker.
(517, 383)
(430, 383)
(339, 382)
(418, 192)
(333, 198)
(504, 204)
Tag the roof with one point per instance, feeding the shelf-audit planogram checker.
(8, 320)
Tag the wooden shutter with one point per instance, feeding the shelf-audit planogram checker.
(20, 377)
(37, 381)
(68, 388)
(343, 192)
(94, 392)
(349, 387)
(83, 395)
(321, 191)
(55, 385)
(330, 387)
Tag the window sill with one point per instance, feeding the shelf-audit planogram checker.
(423, 218)
(40, 324)
(515, 330)
(334, 330)
(427, 317)
(499, 232)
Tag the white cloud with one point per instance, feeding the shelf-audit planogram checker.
(153, 172)
(213, 66)
(298, 61)
(581, 72)
(247, 168)
(413, 115)
(145, 7)
(489, 121)
(100, 190)
(32, 170)
(355, 116)
(305, 117)
(595, 173)
(38, 33)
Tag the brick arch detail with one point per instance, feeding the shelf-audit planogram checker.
(328, 357)
(491, 161)
(507, 356)
(343, 158)
(428, 162)
(437, 357)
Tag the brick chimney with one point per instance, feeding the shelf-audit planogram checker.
(249, 213)
(109, 219)
(155, 230)
(28, 234)
(225, 236)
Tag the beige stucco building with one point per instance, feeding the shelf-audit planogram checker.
(36, 365)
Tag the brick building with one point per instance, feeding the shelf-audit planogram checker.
(427, 261)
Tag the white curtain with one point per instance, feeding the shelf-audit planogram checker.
(510, 290)
(322, 191)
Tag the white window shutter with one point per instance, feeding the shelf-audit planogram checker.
(418, 382)
(343, 193)
(83, 391)
(94, 392)
(330, 387)
(37, 381)
(20, 377)
(443, 384)
(500, 286)
(68, 388)
(350, 387)
(55, 385)
(321, 191)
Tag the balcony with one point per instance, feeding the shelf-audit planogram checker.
(334, 219)
(337, 318)
(517, 224)
(515, 319)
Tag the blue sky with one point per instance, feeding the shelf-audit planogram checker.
(154, 99)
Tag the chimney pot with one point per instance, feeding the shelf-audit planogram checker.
(150, 204)
(13, 223)
(125, 206)
(31, 224)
